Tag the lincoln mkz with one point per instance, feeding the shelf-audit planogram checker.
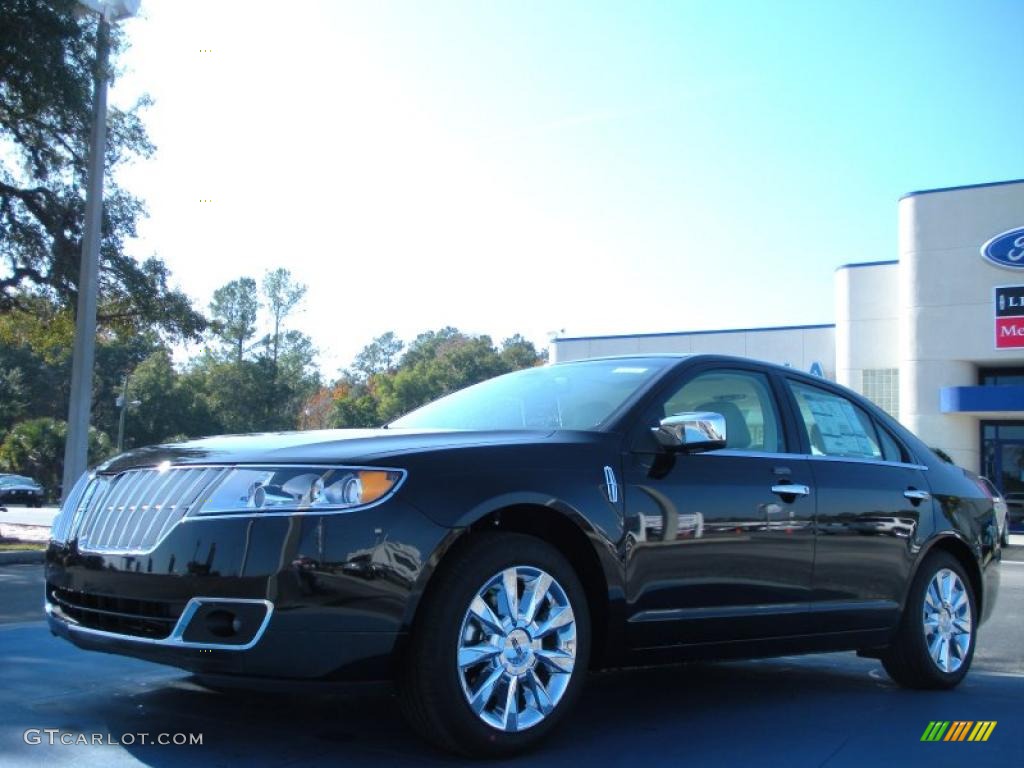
(485, 551)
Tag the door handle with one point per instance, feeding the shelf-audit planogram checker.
(916, 496)
(790, 489)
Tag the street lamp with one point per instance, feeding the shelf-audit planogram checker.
(123, 403)
(76, 451)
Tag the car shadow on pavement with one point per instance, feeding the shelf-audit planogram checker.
(721, 712)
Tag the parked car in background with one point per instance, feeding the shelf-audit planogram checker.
(486, 550)
(1015, 509)
(17, 489)
(1001, 508)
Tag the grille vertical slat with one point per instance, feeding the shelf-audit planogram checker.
(62, 525)
(174, 510)
(133, 506)
(179, 479)
(94, 511)
(132, 511)
(145, 520)
(203, 483)
(109, 513)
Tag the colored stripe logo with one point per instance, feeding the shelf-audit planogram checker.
(958, 730)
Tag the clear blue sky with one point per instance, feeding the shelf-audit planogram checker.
(593, 167)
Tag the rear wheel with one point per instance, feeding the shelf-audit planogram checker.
(935, 642)
(500, 647)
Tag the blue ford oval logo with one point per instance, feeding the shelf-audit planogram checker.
(1006, 250)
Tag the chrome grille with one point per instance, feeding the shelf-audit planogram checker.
(61, 528)
(132, 511)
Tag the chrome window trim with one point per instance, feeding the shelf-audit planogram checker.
(877, 462)
(810, 457)
(175, 639)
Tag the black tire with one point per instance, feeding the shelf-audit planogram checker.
(907, 660)
(1004, 540)
(430, 688)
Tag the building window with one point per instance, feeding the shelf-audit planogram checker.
(882, 387)
(1002, 456)
(1001, 377)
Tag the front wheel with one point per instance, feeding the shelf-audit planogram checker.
(934, 644)
(500, 648)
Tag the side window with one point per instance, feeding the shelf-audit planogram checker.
(835, 426)
(743, 398)
(891, 449)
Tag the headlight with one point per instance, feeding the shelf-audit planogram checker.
(298, 489)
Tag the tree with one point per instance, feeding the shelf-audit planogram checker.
(36, 448)
(46, 67)
(317, 410)
(435, 364)
(518, 352)
(14, 397)
(379, 356)
(283, 294)
(233, 310)
(237, 395)
(168, 406)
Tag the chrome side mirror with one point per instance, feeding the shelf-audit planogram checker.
(692, 432)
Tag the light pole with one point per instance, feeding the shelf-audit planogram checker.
(123, 403)
(76, 451)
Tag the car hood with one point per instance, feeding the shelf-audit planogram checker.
(354, 446)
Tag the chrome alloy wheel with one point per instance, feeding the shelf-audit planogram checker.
(517, 648)
(947, 620)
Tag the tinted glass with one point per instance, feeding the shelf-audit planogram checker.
(564, 396)
(745, 401)
(891, 449)
(1001, 377)
(835, 426)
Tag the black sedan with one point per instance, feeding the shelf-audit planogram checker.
(486, 550)
(16, 489)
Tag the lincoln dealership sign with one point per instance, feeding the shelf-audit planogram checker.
(1006, 250)
(1010, 317)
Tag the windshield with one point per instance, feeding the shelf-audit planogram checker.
(16, 480)
(565, 396)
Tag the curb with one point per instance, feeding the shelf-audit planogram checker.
(26, 557)
(38, 534)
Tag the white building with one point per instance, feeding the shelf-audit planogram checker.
(936, 338)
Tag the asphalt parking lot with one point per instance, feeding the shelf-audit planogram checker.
(834, 710)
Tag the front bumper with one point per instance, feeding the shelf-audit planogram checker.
(292, 597)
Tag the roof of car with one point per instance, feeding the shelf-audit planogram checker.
(709, 356)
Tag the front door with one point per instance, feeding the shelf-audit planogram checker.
(722, 543)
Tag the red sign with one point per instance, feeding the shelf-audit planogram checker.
(1010, 333)
(1009, 316)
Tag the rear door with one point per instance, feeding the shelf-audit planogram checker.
(870, 500)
